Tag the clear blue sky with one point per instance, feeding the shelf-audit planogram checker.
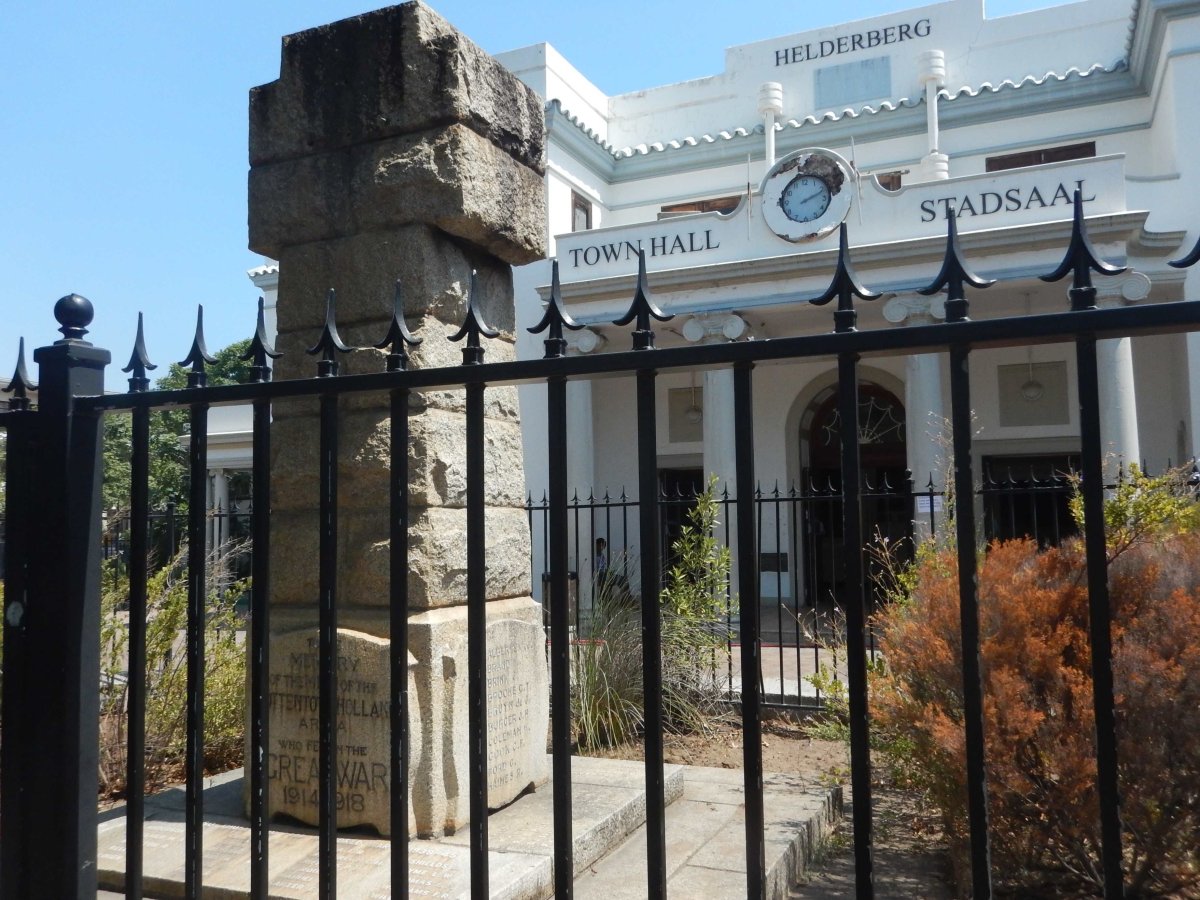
(123, 161)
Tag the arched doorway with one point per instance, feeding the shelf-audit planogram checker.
(886, 498)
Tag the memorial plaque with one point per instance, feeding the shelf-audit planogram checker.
(362, 731)
(518, 710)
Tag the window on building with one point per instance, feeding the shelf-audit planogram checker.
(581, 212)
(889, 181)
(715, 204)
(1040, 156)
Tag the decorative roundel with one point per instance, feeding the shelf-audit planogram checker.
(807, 194)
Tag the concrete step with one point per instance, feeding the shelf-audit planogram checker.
(608, 804)
(706, 839)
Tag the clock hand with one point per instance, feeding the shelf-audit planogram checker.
(812, 196)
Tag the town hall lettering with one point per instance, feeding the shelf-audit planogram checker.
(660, 245)
(987, 203)
(849, 43)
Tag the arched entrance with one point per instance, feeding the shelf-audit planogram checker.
(886, 498)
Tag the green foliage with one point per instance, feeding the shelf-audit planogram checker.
(168, 456)
(229, 368)
(166, 672)
(608, 699)
(1143, 507)
(168, 459)
(697, 585)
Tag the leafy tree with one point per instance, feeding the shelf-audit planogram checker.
(168, 456)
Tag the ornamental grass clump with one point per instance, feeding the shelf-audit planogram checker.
(166, 672)
(1038, 709)
(608, 693)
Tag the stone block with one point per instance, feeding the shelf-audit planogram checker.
(449, 178)
(438, 556)
(433, 270)
(436, 460)
(409, 70)
(363, 729)
(517, 705)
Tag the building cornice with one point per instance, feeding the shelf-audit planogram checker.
(876, 258)
(963, 107)
(1151, 19)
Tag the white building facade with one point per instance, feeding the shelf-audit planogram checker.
(734, 187)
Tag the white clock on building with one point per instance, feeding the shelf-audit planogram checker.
(807, 194)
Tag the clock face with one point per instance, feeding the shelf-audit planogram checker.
(807, 194)
(805, 198)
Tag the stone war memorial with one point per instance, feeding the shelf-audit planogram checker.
(394, 154)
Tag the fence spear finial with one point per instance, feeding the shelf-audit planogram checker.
(556, 318)
(642, 309)
(473, 327)
(1080, 261)
(260, 349)
(844, 287)
(1191, 259)
(139, 362)
(954, 274)
(198, 356)
(20, 385)
(398, 338)
(329, 342)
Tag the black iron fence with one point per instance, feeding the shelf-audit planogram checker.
(801, 599)
(48, 756)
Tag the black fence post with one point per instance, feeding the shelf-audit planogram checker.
(52, 633)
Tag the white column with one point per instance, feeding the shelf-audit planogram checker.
(1118, 394)
(925, 419)
(1191, 291)
(220, 508)
(931, 71)
(770, 107)
(719, 448)
(581, 467)
(924, 412)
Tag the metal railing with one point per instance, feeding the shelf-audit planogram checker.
(48, 762)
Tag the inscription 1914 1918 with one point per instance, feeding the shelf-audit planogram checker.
(362, 729)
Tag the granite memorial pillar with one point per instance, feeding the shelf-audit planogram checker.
(392, 148)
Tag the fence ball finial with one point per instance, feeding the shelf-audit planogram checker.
(74, 314)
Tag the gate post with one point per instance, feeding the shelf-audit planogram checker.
(52, 632)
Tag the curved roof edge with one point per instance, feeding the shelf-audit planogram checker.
(616, 154)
